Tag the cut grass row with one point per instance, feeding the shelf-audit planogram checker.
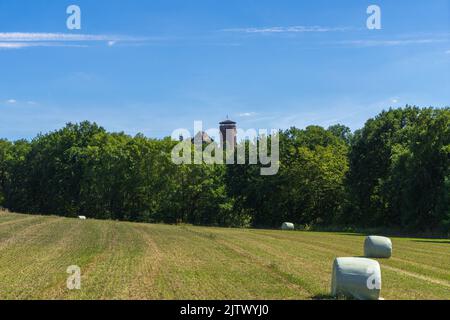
(121, 260)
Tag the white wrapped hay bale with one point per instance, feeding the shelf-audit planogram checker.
(287, 226)
(82, 217)
(358, 278)
(377, 247)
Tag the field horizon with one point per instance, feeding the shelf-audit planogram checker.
(125, 260)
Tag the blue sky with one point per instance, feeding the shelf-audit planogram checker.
(158, 65)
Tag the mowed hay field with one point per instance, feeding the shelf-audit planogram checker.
(121, 260)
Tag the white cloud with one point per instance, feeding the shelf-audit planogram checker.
(20, 45)
(19, 40)
(12, 45)
(14, 101)
(289, 29)
(389, 43)
(247, 114)
(29, 36)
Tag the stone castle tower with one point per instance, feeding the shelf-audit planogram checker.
(229, 133)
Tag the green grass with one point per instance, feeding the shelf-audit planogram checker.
(121, 260)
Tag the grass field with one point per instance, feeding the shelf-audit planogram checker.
(121, 260)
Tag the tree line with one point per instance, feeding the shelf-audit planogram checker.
(394, 172)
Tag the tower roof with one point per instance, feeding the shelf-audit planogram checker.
(227, 122)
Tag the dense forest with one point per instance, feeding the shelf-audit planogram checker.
(392, 173)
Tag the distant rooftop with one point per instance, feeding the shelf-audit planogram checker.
(202, 136)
